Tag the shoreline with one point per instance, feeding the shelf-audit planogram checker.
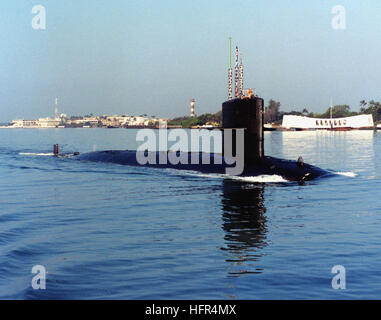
(207, 128)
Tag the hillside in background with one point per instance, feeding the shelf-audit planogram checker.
(204, 119)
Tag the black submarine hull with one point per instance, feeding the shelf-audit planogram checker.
(288, 169)
(247, 114)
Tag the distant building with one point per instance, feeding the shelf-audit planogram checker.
(49, 123)
(85, 120)
(306, 123)
(114, 121)
(39, 123)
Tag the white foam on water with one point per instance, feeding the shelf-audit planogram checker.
(262, 179)
(35, 154)
(347, 174)
(251, 179)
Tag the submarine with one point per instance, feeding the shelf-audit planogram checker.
(243, 116)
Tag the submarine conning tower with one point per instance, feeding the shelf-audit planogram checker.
(245, 113)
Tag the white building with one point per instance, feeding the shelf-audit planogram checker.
(49, 123)
(91, 120)
(40, 123)
(20, 123)
(305, 123)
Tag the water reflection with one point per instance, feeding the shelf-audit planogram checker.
(336, 150)
(244, 223)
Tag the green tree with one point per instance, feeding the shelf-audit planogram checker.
(339, 111)
(374, 108)
(200, 120)
(272, 111)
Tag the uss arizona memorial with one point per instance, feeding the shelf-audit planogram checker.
(305, 123)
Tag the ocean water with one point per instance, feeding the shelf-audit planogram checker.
(106, 231)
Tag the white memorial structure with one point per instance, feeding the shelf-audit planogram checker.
(306, 123)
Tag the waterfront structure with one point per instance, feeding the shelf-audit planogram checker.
(62, 121)
(307, 123)
(92, 121)
(39, 123)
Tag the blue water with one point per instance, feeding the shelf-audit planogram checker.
(105, 231)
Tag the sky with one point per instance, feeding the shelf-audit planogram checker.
(152, 57)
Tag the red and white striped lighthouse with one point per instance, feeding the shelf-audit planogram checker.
(192, 108)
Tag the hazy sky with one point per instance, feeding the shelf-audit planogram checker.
(136, 57)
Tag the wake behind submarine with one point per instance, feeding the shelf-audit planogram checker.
(245, 114)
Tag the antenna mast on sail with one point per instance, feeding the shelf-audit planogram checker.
(230, 72)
